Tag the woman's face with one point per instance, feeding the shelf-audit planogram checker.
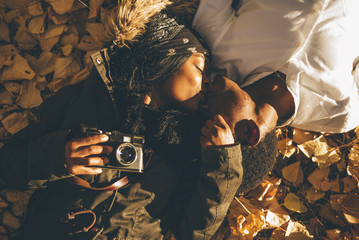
(185, 88)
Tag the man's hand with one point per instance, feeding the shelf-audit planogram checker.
(216, 132)
(79, 154)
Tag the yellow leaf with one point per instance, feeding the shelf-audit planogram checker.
(276, 216)
(293, 203)
(97, 31)
(71, 37)
(297, 231)
(293, 173)
(6, 98)
(56, 18)
(18, 71)
(318, 176)
(5, 61)
(8, 50)
(87, 43)
(316, 147)
(13, 88)
(301, 136)
(66, 67)
(45, 63)
(354, 154)
(353, 171)
(247, 227)
(327, 159)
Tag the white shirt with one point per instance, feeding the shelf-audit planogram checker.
(314, 42)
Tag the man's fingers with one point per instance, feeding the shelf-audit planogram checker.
(87, 141)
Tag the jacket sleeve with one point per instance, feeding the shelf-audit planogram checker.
(220, 176)
(35, 155)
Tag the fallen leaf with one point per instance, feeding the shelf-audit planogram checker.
(25, 40)
(341, 165)
(10, 221)
(326, 159)
(13, 88)
(333, 234)
(16, 122)
(71, 37)
(8, 50)
(11, 15)
(41, 83)
(55, 30)
(46, 44)
(80, 76)
(248, 227)
(65, 67)
(94, 7)
(354, 155)
(4, 32)
(87, 43)
(45, 63)
(297, 231)
(276, 216)
(66, 50)
(293, 203)
(97, 31)
(30, 96)
(313, 194)
(293, 173)
(278, 234)
(19, 70)
(348, 184)
(61, 7)
(316, 147)
(56, 18)
(319, 177)
(335, 185)
(301, 136)
(37, 24)
(6, 98)
(35, 9)
(353, 171)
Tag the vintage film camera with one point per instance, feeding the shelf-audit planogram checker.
(127, 153)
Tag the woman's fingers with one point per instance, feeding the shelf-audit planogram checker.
(88, 141)
(84, 165)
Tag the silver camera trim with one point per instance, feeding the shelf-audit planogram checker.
(118, 156)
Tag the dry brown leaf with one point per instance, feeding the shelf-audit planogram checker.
(8, 50)
(335, 185)
(46, 44)
(333, 234)
(348, 184)
(353, 171)
(293, 203)
(67, 50)
(56, 18)
(37, 24)
(94, 7)
(276, 216)
(11, 15)
(350, 207)
(19, 70)
(71, 37)
(25, 40)
(13, 88)
(87, 43)
(30, 96)
(35, 9)
(313, 194)
(61, 7)
(16, 122)
(10, 221)
(354, 155)
(341, 165)
(80, 76)
(301, 136)
(55, 30)
(278, 234)
(65, 67)
(6, 98)
(266, 190)
(97, 31)
(5, 61)
(41, 83)
(319, 177)
(45, 63)
(297, 231)
(293, 173)
(4, 32)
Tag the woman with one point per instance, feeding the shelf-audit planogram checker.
(140, 90)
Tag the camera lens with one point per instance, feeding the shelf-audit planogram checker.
(126, 154)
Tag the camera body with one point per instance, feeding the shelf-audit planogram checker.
(127, 153)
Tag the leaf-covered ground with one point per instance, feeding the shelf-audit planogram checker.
(45, 45)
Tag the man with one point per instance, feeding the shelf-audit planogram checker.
(293, 58)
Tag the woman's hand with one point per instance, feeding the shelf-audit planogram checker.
(81, 152)
(216, 132)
